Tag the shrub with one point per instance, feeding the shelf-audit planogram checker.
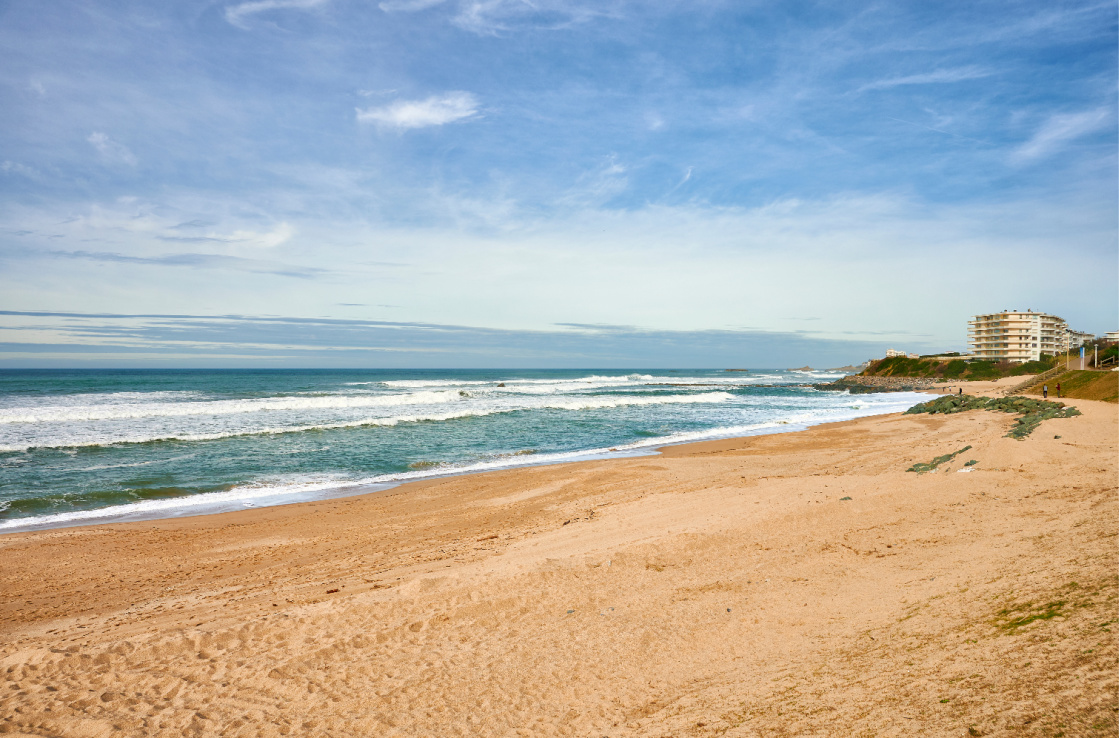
(982, 370)
(902, 366)
(954, 369)
(1031, 367)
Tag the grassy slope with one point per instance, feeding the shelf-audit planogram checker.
(958, 369)
(1082, 385)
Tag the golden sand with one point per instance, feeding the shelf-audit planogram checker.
(723, 588)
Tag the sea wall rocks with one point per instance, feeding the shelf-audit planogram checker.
(857, 384)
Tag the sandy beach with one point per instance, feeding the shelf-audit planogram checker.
(794, 584)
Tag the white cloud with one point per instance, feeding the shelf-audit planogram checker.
(14, 167)
(408, 6)
(678, 267)
(490, 17)
(149, 223)
(436, 110)
(110, 150)
(237, 14)
(270, 239)
(241, 237)
(1058, 130)
(598, 186)
(939, 76)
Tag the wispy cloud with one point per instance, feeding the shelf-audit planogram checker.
(436, 110)
(239, 14)
(110, 150)
(191, 224)
(408, 6)
(1059, 130)
(491, 17)
(599, 185)
(506, 202)
(14, 167)
(599, 327)
(197, 261)
(939, 76)
(268, 239)
(934, 128)
(375, 93)
(345, 342)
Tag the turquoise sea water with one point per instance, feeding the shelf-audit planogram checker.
(93, 446)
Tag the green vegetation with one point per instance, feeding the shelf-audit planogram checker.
(985, 370)
(1011, 623)
(922, 468)
(1081, 385)
(954, 369)
(900, 366)
(1032, 367)
(1066, 601)
(971, 462)
(1033, 411)
(958, 369)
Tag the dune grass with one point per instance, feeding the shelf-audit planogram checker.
(1082, 385)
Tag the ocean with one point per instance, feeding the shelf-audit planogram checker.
(79, 447)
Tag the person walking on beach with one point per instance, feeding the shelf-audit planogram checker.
(1044, 390)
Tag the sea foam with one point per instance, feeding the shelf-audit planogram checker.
(286, 492)
(69, 437)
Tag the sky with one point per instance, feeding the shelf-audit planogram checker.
(554, 183)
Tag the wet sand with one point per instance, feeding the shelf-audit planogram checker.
(720, 588)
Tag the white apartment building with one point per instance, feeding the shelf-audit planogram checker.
(1016, 336)
(890, 353)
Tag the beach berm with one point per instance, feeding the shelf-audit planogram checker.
(792, 584)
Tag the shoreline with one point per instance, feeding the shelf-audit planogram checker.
(790, 583)
(234, 500)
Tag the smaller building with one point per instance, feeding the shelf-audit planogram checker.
(1077, 339)
(891, 353)
(1112, 336)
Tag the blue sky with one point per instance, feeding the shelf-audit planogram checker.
(505, 183)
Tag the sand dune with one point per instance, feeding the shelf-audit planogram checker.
(723, 588)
